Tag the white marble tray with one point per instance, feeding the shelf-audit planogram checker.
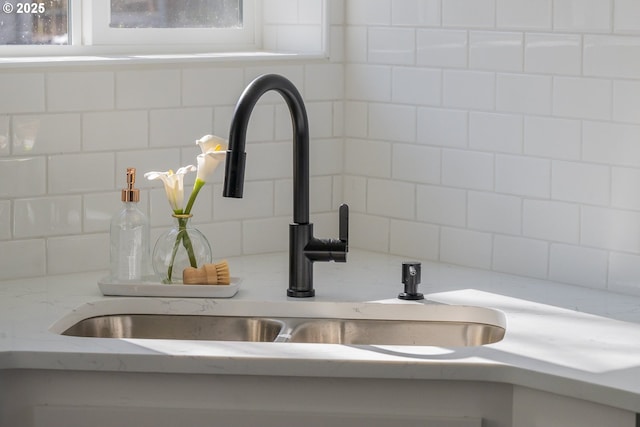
(155, 289)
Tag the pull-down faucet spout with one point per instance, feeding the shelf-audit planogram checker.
(304, 248)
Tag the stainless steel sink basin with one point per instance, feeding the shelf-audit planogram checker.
(390, 332)
(167, 326)
(340, 323)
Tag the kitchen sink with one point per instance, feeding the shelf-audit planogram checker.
(176, 327)
(326, 323)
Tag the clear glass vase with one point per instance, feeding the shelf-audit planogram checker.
(180, 247)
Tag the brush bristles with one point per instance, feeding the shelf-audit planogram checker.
(208, 274)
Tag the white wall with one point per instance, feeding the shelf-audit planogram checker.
(501, 134)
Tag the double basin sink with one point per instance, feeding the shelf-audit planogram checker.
(295, 322)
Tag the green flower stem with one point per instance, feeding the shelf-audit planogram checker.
(194, 193)
(183, 235)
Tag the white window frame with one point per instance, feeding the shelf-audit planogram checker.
(88, 39)
(97, 32)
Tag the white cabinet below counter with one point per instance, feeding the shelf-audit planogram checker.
(51, 398)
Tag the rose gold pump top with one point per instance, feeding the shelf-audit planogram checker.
(131, 194)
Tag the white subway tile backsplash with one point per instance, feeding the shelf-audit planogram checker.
(417, 13)
(278, 166)
(611, 143)
(442, 127)
(23, 258)
(118, 130)
(626, 101)
(355, 44)
(626, 16)
(22, 93)
(295, 38)
(326, 156)
(212, 86)
(523, 176)
(324, 82)
(178, 127)
(419, 241)
(281, 11)
(148, 88)
(5, 138)
(23, 176)
(467, 169)
(552, 137)
(416, 163)
(5, 219)
(81, 173)
(356, 119)
(50, 133)
(524, 93)
(404, 120)
(440, 205)
(584, 15)
(368, 83)
(376, 153)
(225, 238)
(578, 265)
(490, 50)
(355, 192)
(257, 202)
(369, 232)
(494, 212)
(47, 216)
(524, 14)
(517, 255)
(551, 221)
(80, 91)
(71, 254)
(612, 229)
(442, 48)
(580, 182)
(389, 45)
(582, 98)
(99, 208)
(368, 12)
(391, 199)
(469, 89)
(611, 56)
(468, 13)
(624, 272)
(625, 190)
(553, 53)
(465, 247)
(495, 132)
(416, 86)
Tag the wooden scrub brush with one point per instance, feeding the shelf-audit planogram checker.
(208, 274)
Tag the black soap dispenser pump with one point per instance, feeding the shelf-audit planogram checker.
(411, 276)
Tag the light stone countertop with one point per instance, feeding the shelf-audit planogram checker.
(563, 339)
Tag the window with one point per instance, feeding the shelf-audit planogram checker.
(172, 24)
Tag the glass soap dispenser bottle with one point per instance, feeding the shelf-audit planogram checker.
(130, 259)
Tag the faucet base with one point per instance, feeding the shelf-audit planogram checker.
(301, 294)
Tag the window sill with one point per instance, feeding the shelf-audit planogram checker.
(142, 59)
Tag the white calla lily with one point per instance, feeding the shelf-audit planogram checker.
(173, 185)
(214, 150)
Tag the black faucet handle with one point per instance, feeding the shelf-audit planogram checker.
(343, 233)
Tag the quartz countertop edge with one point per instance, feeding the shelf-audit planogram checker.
(579, 342)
